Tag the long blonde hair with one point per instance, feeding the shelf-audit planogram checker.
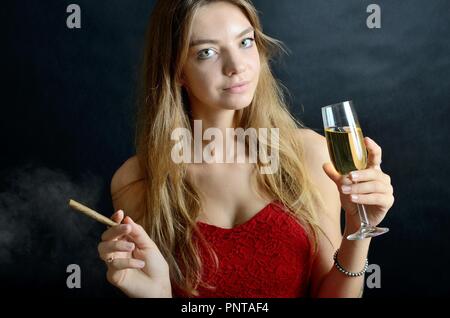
(171, 204)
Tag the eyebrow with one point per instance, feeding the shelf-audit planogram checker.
(198, 42)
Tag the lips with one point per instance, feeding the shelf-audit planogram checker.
(237, 85)
(237, 88)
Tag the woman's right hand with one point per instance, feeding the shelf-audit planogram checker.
(135, 264)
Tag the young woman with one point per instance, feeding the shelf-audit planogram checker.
(225, 229)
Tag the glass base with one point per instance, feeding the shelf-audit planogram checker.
(367, 231)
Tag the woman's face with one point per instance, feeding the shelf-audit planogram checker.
(222, 53)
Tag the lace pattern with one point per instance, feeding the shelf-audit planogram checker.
(266, 257)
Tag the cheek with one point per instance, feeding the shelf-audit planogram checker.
(203, 80)
(201, 84)
(208, 77)
(255, 64)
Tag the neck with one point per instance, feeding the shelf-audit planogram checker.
(221, 119)
(213, 118)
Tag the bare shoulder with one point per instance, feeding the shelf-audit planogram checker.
(315, 155)
(128, 188)
(314, 143)
(127, 173)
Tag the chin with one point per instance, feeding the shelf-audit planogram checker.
(234, 106)
(237, 101)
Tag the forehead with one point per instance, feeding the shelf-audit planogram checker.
(218, 19)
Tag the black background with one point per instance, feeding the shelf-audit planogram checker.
(66, 126)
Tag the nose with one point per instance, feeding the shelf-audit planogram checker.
(234, 64)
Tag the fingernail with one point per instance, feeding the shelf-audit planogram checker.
(130, 246)
(354, 197)
(354, 175)
(117, 212)
(346, 189)
(140, 263)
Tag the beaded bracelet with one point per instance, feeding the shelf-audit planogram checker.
(342, 270)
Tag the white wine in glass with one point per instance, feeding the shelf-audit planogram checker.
(348, 153)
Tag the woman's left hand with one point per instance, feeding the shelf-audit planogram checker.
(373, 189)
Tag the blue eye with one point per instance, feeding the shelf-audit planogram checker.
(249, 41)
(200, 56)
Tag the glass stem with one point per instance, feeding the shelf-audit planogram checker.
(362, 214)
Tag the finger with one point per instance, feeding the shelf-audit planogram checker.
(138, 235)
(373, 199)
(124, 263)
(332, 173)
(374, 153)
(116, 232)
(367, 187)
(369, 175)
(108, 247)
(118, 216)
(108, 258)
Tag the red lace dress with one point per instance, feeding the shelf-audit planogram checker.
(266, 257)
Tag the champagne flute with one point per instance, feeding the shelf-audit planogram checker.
(348, 153)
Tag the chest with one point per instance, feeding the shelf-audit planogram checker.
(269, 256)
(229, 193)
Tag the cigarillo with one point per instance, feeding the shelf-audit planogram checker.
(91, 213)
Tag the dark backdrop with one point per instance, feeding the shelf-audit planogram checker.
(66, 125)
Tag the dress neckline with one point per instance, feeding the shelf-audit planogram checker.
(239, 226)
